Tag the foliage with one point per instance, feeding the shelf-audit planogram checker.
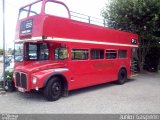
(138, 16)
(9, 83)
(9, 75)
(151, 60)
(1, 51)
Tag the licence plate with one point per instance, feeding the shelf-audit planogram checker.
(21, 89)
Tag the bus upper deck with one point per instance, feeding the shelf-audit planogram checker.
(45, 19)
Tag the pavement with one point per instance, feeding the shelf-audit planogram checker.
(141, 94)
(2, 91)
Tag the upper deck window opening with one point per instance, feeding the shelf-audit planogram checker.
(56, 9)
(35, 9)
(23, 12)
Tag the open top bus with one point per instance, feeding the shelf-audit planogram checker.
(57, 54)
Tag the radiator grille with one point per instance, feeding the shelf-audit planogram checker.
(21, 80)
(18, 82)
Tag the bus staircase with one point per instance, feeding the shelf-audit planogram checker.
(134, 68)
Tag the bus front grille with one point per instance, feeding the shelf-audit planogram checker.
(21, 80)
(18, 82)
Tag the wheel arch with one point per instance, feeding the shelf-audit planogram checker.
(62, 78)
(123, 67)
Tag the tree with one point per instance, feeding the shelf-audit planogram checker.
(138, 16)
(1, 51)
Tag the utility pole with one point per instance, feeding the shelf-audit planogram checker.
(4, 78)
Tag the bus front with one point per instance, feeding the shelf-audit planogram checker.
(35, 57)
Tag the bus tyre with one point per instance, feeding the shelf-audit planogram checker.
(53, 90)
(122, 77)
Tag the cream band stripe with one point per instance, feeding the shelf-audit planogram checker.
(78, 41)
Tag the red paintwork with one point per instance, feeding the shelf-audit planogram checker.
(81, 73)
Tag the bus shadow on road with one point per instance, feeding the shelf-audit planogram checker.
(91, 88)
(130, 80)
(38, 96)
(97, 87)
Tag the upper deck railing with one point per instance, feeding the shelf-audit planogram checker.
(88, 19)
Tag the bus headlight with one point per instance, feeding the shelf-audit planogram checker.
(34, 80)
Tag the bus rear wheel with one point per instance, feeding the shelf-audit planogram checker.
(122, 77)
(53, 90)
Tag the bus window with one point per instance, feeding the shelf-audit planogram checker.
(79, 54)
(111, 54)
(33, 51)
(37, 51)
(60, 54)
(18, 52)
(122, 54)
(35, 9)
(97, 54)
(56, 9)
(43, 54)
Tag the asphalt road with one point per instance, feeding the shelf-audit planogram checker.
(139, 95)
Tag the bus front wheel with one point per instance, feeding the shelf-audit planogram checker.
(53, 90)
(122, 76)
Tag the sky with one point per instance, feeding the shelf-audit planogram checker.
(88, 7)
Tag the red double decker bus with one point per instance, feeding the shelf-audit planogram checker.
(57, 54)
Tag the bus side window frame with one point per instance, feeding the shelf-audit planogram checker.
(111, 51)
(100, 56)
(122, 57)
(85, 50)
(58, 59)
